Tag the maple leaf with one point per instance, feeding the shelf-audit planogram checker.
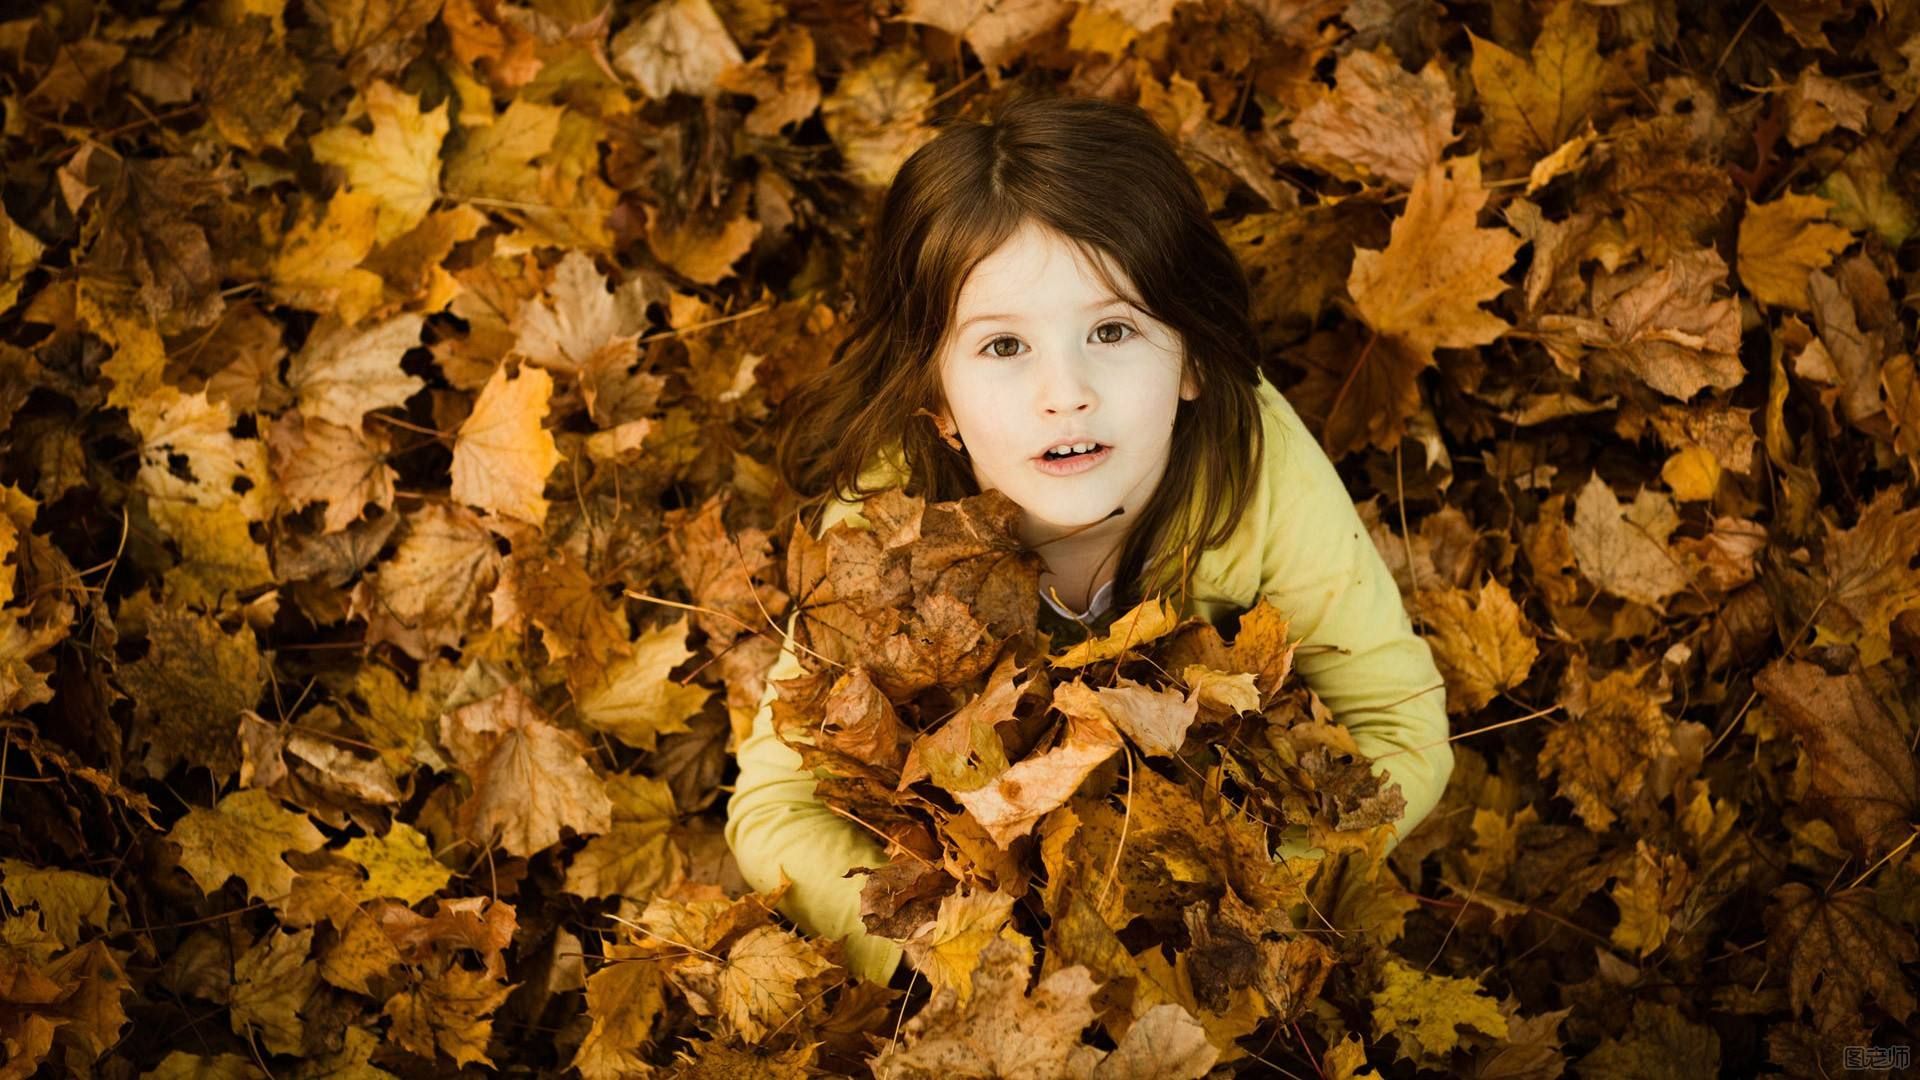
(1782, 242)
(636, 701)
(530, 778)
(1000, 1030)
(577, 625)
(1378, 119)
(720, 568)
(1425, 288)
(1150, 620)
(965, 752)
(1663, 325)
(1533, 105)
(624, 997)
(452, 1010)
(1009, 804)
(948, 948)
(1665, 191)
(272, 981)
(244, 836)
(399, 864)
(873, 115)
(1868, 578)
(1624, 551)
(1647, 899)
(678, 45)
(1425, 1011)
(1481, 642)
(1843, 726)
(637, 856)
(497, 159)
(1839, 950)
(502, 454)
(419, 599)
(1000, 32)
(314, 461)
(583, 329)
(191, 687)
(398, 163)
(317, 266)
(781, 79)
(66, 898)
(344, 372)
(1360, 389)
(1602, 755)
(703, 246)
(767, 977)
(1156, 720)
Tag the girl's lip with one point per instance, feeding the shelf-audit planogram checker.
(1078, 463)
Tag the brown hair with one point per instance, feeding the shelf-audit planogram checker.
(1104, 176)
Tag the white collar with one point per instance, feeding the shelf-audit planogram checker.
(1102, 598)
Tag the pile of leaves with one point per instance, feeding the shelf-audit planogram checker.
(390, 557)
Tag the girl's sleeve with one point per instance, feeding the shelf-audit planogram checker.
(776, 822)
(1359, 652)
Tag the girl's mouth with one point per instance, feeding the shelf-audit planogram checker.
(1072, 463)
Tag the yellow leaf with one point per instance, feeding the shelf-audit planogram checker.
(1425, 1010)
(317, 267)
(272, 981)
(1782, 243)
(398, 864)
(947, 949)
(398, 163)
(1426, 287)
(764, 982)
(244, 836)
(637, 702)
(1153, 618)
(1533, 105)
(361, 954)
(180, 1065)
(624, 997)
(873, 114)
(1009, 805)
(1482, 645)
(502, 454)
(65, 897)
(496, 161)
(1693, 474)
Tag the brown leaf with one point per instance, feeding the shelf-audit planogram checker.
(529, 777)
(1861, 779)
(1662, 326)
(1839, 950)
(1378, 119)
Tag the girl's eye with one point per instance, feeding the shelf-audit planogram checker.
(992, 348)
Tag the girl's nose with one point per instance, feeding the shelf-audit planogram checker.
(1064, 387)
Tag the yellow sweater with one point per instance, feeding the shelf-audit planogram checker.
(1300, 543)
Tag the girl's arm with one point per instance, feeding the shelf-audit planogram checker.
(775, 822)
(1360, 654)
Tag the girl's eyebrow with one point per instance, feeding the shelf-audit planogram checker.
(1095, 306)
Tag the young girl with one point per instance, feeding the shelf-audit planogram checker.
(1050, 312)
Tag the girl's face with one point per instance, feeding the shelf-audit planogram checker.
(1039, 356)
